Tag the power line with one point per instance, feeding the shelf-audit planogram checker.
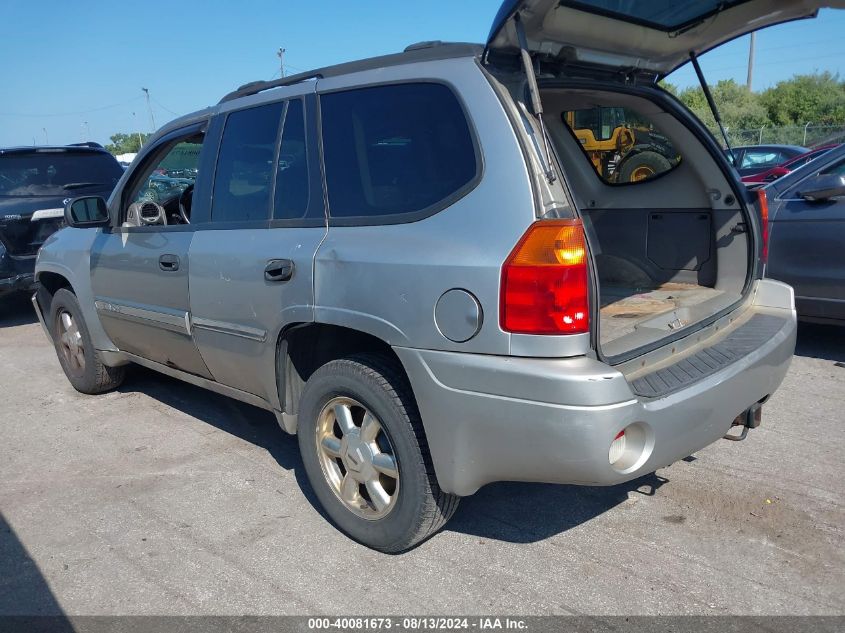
(53, 114)
(158, 103)
(779, 62)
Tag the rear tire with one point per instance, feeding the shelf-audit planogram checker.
(80, 361)
(374, 479)
(643, 166)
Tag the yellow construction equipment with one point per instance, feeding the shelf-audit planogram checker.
(620, 151)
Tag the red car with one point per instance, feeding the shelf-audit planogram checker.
(787, 166)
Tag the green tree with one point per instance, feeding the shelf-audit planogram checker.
(126, 143)
(818, 98)
(668, 87)
(739, 108)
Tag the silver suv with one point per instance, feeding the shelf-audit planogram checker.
(448, 267)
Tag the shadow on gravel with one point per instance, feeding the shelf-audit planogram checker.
(23, 589)
(821, 341)
(525, 513)
(16, 309)
(513, 512)
(249, 423)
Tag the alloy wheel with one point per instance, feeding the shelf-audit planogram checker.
(71, 341)
(357, 458)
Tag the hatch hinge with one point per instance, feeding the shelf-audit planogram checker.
(638, 76)
(534, 93)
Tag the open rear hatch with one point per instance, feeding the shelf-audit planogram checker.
(655, 36)
(668, 226)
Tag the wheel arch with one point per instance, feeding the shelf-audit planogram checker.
(302, 348)
(51, 277)
(50, 282)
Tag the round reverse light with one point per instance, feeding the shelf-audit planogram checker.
(617, 447)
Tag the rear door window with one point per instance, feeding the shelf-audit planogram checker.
(244, 176)
(291, 195)
(395, 152)
(622, 145)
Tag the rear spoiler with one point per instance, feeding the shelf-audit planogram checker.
(90, 144)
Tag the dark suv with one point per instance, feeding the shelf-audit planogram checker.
(35, 182)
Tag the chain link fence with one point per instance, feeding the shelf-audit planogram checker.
(806, 135)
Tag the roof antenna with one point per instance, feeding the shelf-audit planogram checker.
(534, 92)
(712, 105)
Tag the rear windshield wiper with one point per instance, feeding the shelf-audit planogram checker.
(80, 185)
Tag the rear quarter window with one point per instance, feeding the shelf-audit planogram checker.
(395, 153)
(623, 146)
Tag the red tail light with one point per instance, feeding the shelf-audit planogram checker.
(764, 215)
(545, 288)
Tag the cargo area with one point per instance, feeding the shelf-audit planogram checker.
(623, 308)
(668, 237)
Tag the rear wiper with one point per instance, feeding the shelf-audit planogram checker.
(80, 185)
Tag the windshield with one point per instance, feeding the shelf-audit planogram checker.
(56, 173)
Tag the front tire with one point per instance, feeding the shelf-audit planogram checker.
(365, 454)
(79, 359)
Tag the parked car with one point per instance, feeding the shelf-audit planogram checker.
(781, 170)
(433, 294)
(35, 182)
(161, 186)
(752, 159)
(806, 213)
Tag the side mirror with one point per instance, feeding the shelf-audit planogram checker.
(87, 211)
(823, 187)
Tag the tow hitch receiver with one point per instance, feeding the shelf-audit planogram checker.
(749, 419)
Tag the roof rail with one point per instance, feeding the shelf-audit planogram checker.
(254, 87)
(423, 51)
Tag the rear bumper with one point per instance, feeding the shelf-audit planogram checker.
(492, 418)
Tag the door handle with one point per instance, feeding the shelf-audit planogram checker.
(168, 262)
(278, 270)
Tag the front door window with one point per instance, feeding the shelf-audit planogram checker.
(161, 193)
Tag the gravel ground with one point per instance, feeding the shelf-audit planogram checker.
(162, 498)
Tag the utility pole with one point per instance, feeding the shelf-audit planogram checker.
(751, 60)
(150, 109)
(281, 56)
(46, 138)
(137, 129)
(87, 131)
